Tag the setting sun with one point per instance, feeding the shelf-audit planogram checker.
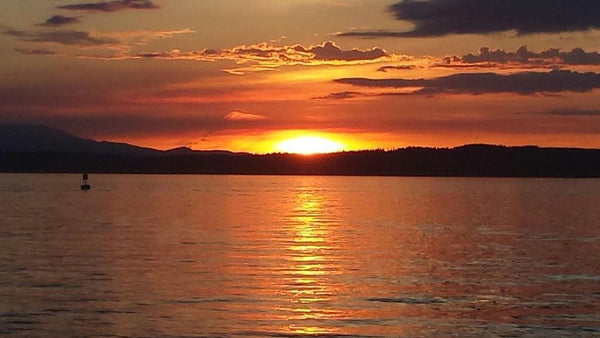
(307, 145)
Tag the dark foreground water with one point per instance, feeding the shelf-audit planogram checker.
(293, 256)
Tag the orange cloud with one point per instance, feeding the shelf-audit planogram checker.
(263, 56)
(236, 115)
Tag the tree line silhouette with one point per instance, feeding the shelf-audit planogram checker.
(469, 160)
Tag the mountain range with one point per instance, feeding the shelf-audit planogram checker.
(38, 148)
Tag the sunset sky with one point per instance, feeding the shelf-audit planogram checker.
(345, 74)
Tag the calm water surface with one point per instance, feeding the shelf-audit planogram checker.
(292, 256)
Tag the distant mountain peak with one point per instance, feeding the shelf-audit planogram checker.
(180, 150)
(41, 138)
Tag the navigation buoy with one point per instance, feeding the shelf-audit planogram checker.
(84, 182)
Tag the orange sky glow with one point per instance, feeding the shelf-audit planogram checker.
(297, 76)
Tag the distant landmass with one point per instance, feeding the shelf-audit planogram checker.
(42, 149)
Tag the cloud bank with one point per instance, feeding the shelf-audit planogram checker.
(443, 17)
(551, 57)
(264, 56)
(59, 20)
(524, 83)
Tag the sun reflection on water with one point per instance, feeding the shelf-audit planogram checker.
(312, 264)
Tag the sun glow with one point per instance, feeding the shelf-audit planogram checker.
(298, 141)
(307, 145)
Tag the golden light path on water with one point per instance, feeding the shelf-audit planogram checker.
(310, 264)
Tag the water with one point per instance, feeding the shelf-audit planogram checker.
(292, 256)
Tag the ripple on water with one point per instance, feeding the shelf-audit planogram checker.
(299, 256)
(410, 300)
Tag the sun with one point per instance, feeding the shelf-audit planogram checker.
(308, 145)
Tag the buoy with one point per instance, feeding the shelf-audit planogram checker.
(84, 183)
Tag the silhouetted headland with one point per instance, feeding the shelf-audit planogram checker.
(40, 149)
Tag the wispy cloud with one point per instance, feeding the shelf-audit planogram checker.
(524, 83)
(385, 69)
(236, 115)
(66, 37)
(551, 57)
(59, 20)
(122, 42)
(567, 112)
(444, 17)
(111, 6)
(35, 51)
(141, 37)
(340, 96)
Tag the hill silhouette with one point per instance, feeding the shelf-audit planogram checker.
(28, 138)
(30, 148)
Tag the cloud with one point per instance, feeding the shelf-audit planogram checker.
(443, 17)
(266, 54)
(59, 20)
(570, 112)
(114, 42)
(237, 115)
(249, 58)
(35, 51)
(400, 67)
(524, 83)
(372, 34)
(340, 96)
(67, 37)
(550, 57)
(328, 51)
(14, 32)
(129, 39)
(111, 6)
(263, 56)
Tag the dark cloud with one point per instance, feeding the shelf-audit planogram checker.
(59, 20)
(329, 52)
(263, 56)
(400, 67)
(522, 56)
(339, 96)
(443, 17)
(110, 6)
(67, 37)
(16, 33)
(34, 51)
(373, 34)
(524, 83)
